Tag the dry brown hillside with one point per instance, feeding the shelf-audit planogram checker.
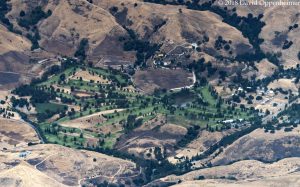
(168, 25)
(280, 29)
(13, 57)
(262, 146)
(278, 34)
(54, 165)
(242, 173)
(72, 21)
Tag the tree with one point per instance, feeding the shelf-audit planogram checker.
(22, 13)
(114, 9)
(130, 121)
(81, 50)
(65, 138)
(258, 98)
(62, 77)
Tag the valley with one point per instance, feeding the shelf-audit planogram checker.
(148, 93)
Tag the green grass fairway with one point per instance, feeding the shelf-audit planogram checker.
(46, 107)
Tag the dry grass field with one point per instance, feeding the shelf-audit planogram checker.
(56, 165)
(15, 133)
(262, 146)
(285, 84)
(12, 42)
(278, 19)
(186, 27)
(276, 32)
(203, 142)
(247, 173)
(162, 78)
(87, 76)
(154, 133)
(25, 175)
(243, 173)
(265, 69)
(72, 21)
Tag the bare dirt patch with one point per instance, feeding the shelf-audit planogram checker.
(162, 78)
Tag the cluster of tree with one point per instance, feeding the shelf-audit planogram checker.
(6, 114)
(293, 113)
(159, 25)
(33, 17)
(104, 184)
(4, 9)
(113, 9)
(171, 99)
(2, 110)
(29, 21)
(229, 139)
(249, 25)
(159, 154)
(66, 99)
(152, 169)
(81, 50)
(41, 117)
(122, 103)
(38, 95)
(220, 43)
(113, 77)
(19, 102)
(287, 44)
(132, 122)
(144, 49)
(295, 26)
(55, 69)
(200, 66)
(191, 134)
(274, 125)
